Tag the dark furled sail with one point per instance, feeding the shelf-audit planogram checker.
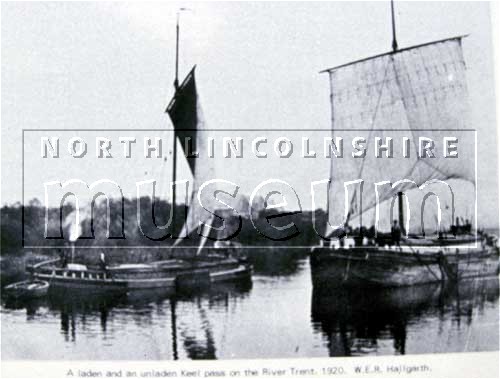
(183, 111)
(186, 114)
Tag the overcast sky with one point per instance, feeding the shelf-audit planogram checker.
(111, 65)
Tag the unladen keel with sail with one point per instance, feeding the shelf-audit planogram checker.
(416, 91)
(185, 268)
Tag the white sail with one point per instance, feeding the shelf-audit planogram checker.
(413, 93)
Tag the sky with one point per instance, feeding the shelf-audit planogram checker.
(111, 66)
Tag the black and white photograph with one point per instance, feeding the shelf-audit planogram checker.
(249, 185)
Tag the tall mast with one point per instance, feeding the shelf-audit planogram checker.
(394, 49)
(176, 81)
(174, 139)
(394, 40)
(174, 177)
(174, 146)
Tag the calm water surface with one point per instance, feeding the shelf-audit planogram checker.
(278, 315)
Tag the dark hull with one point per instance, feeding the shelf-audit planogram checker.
(166, 276)
(394, 267)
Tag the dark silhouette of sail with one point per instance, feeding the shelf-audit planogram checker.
(186, 114)
(183, 111)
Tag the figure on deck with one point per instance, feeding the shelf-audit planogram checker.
(63, 260)
(103, 264)
(467, 226)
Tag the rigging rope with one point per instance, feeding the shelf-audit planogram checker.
(369, 135)
(421, 262)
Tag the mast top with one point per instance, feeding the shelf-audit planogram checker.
(176, 80)
(394, 40)
(394, 52)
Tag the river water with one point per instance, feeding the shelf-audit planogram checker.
(278, 315)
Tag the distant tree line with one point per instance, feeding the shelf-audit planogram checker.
(302, 234)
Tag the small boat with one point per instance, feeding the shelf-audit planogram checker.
(27, 289)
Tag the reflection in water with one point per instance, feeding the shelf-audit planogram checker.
(203, 348)
(271, 317)
(76, 305)
(356, 321)
(275, 262)
(173, 321)
(73, 305)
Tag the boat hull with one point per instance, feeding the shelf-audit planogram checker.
(163, 276)
(27, 290)
(394, 267)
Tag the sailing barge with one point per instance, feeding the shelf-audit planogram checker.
(419, 91)
(187, 267)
